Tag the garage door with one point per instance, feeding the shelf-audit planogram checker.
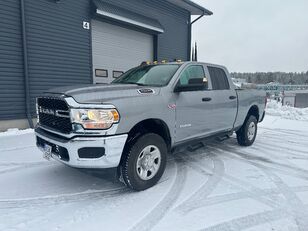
(302, 100)
(117, 49)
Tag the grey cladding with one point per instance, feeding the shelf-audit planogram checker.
(12, 96)
(60, 50)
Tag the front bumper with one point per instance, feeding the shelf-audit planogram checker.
(112, 145)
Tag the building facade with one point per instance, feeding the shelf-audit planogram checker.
(298, 99)
(51, 43)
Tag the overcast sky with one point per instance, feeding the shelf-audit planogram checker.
(254, 35)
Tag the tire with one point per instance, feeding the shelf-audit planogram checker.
(144, 162)
(247, 134)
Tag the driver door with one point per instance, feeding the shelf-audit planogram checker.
(193, 107)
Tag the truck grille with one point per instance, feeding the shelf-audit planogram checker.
(54, 114)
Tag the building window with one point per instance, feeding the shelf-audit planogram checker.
(117, 74)
(101, 73)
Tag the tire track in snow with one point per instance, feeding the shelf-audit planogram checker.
(275, 149)
(16, 148)
(208, 186)
(285, 168)
(6, 163)
(281, 147)
(249, 221)
(23, 166)
(214, 200)
(160, 210)
(60, 199)
(296, 171)
(290, 165)
(295, 207)
(274, 138)
(253, 192)
(278, 137)
(286, 131)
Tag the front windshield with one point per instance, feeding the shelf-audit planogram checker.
(149, 75)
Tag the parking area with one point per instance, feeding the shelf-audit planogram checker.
(220, 186)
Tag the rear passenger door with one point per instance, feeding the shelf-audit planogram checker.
(224, 99)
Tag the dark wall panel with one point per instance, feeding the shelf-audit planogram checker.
(59, 49)
(12, 102)
(172, 44)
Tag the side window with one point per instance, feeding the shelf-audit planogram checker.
(219, 79)
(191, 75)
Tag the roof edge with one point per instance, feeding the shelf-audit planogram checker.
(192, 7)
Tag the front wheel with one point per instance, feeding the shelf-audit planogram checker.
(144, 162)
(247, 134)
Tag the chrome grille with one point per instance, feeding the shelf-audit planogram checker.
(54, 114)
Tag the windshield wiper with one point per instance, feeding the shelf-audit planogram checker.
(139, 84)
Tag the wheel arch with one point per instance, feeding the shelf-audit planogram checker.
(152, 125)
(253, 110)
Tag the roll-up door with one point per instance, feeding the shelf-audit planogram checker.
(117, 49)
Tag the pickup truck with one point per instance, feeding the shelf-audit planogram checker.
(134, 122)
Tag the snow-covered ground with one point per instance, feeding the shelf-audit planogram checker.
(286, 112)
(219, 187)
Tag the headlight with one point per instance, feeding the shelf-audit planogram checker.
(95, 118)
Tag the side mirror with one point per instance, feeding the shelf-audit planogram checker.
(198, 84)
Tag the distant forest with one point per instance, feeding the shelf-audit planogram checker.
(277, 77)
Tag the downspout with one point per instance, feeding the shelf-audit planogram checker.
(190, 33)
(26, 70)
(189, 40)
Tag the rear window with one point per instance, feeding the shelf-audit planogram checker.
(219, 78)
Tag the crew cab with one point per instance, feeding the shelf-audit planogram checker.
(134, 122)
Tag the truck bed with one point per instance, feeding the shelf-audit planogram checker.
(247, 97)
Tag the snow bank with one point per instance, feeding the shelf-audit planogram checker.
(276, 109)
(15, 132)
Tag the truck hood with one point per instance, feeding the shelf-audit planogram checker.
(105, 93)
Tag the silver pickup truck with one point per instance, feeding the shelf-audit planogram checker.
(134, 122)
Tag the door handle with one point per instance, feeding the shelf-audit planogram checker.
(232, 97)
(206, 99)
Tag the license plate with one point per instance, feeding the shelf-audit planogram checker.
(47, 151)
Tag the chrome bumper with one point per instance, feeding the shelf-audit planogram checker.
(113, 145)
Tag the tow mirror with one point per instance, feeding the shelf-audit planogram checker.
(197, 84)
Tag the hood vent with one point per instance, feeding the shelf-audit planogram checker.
(146, 91)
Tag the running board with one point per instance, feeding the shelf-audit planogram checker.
(223, 138)
(194, 147)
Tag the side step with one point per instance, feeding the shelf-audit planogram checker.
(222, 138)
(194, 147)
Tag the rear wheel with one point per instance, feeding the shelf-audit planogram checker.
(144, 162)
(247, 134)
